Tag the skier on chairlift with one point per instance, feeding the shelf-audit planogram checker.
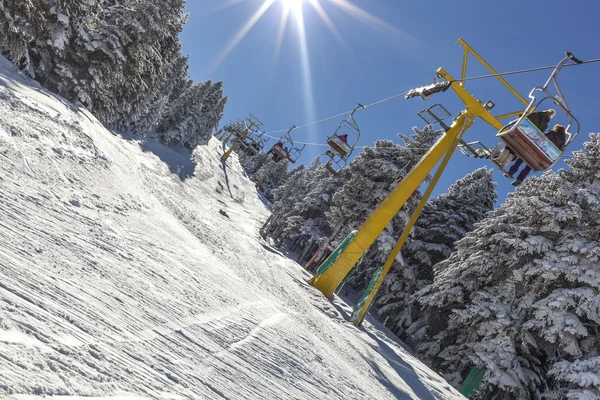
(556, 135)
(274, 153)
(344, 138)
(540, 119)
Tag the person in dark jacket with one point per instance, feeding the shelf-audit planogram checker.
(541, 119)
(344, 138)
(557, 135)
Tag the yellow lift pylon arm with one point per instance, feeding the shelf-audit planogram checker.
(471, 102)
(469, 49)
(378, 220)
(233, 146)
(359, 315)
(330, 279)
(226, 139)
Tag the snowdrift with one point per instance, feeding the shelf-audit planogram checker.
(127, 271)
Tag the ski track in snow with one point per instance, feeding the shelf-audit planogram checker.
(118, 280)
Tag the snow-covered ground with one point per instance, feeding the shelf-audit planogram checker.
(126, 272)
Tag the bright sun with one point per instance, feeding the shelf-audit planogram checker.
(294, 10)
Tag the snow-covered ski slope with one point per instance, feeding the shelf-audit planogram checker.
(126, 273)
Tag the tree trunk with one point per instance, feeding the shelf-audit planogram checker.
(265, 225)
(295, 244)
(308, 249)
(280, 239)
(333, 235)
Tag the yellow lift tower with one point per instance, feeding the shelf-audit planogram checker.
(230, 130)
(332, 275)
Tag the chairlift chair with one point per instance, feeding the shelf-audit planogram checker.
(295, 153)
(246, 129)
(237, 128)
(335, 164)
(229, 127)
(263, 140)
(254, 144)
(339, 150)
(526, 140)
(436, 114)
(257, 143)
(523, 138)
(284, 142)
(249, 146)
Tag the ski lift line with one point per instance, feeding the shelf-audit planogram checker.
(314, 123)
(373, 147)
(358, 147)
(521, 71)
(344, 113)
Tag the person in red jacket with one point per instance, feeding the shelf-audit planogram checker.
(275, 154)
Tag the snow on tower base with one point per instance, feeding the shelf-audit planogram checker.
(119, 277)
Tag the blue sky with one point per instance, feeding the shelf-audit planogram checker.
(397, 48)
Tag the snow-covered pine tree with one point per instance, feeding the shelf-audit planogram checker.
(174, 84)
(271, 176)
(520, 296)
(577, 379)
(46, 40)
(21, 22)
(444, 220)
(300, 206)
(285, 198)
(191, 118)
(112, 57)
(313, 209)
(149, 33)
(252, 164)
(369, 179)
(212, 110)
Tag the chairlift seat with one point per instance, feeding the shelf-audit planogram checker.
(253, 145)
(330, 166)
(280, 151)
(331, 169)
(339, 146)
(531, 145)
(252, 149)
(245, 145)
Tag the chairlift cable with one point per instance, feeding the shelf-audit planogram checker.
(312, 123)
(521, 71)
(396, 147)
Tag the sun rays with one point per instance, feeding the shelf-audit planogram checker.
(242, 33)
(294, 9)
(294, 12)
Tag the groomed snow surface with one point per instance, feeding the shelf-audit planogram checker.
(128, 272)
